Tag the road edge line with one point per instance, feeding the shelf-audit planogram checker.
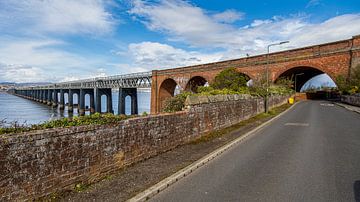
(165, 183)
(347, 106)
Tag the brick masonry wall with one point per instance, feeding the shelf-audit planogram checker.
(351, 99)
(38, 163)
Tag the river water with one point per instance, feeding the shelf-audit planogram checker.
(14, 108)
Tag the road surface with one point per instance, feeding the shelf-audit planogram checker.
(311, 153)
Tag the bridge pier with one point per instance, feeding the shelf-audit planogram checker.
(44, 96)
(62, 100)
(49, 97)
(81, 103)
(55, 98)
(132, 92)
(103, 91)
(82, 107)
(71, 101)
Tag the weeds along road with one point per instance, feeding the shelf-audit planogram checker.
(311, 153)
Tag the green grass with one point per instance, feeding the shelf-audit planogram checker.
(215, 134)
(94, 119)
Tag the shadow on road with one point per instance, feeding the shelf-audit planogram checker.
(357, 191)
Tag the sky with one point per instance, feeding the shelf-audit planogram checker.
(62, 40)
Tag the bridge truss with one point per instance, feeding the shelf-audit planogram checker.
(135, 80)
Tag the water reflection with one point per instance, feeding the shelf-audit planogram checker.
(13, 108)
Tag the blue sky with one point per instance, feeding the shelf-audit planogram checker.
(61, 40)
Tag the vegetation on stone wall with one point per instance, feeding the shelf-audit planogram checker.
(93, 119)
(176, 103)
(352, 85)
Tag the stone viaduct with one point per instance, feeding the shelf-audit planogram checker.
(335, 58)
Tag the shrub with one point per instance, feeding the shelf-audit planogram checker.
(230, 79)
(176, 103)
(351, 85)
(93, 119)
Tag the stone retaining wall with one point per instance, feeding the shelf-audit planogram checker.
(38, 163)
(351, 99)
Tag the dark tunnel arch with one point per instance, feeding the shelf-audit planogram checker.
(302, 74)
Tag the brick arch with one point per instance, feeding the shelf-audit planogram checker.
(293, 65)
(309, 70)
(166, 91)
(194, 82)
(251, 75)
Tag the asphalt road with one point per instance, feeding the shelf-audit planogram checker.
(311, 153)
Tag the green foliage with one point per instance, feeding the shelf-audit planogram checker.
(94, 119)
(284, 81)
(144, 114)
(351, 85)
(176, 103)
(230, 79)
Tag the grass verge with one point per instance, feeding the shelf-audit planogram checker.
(273, 112)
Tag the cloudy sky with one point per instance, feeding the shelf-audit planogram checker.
(61, 40)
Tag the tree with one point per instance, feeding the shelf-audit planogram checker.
(230, 79)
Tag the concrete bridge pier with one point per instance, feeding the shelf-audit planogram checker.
(81, 103)
(70, 101)
(49, 97)
(123, 93)
(55, 98)
(45, 97)
(92, 101)
(36, 95)
(82, 106)
(62, 100)
(100, 92)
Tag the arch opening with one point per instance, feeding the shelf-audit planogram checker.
(75, 98)
(128, 100)
(166, 91)
(66, 98)
(87, 101)
(103, 103)
(301, 76)
(194, 83)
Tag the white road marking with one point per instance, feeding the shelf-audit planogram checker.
(297, 124)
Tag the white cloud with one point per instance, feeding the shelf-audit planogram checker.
(24, 60)
(312, 3)
(151, 55)
(228, 16)
(20, 73)
(256, 23)
(181, 20)
(184, 22)
(55, 16)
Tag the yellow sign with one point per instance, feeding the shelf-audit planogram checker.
(291, 100)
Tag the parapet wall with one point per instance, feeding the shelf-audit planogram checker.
(38, 163)
(351, 99)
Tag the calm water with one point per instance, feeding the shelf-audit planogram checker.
(13, 108)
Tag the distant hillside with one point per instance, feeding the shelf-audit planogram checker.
(24, 84)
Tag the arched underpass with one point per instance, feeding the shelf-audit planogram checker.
(301, 75)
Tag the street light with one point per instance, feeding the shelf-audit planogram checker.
(295, 79)
(267, 73)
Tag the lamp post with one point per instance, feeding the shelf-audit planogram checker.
(267, 73)
(295, 79)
